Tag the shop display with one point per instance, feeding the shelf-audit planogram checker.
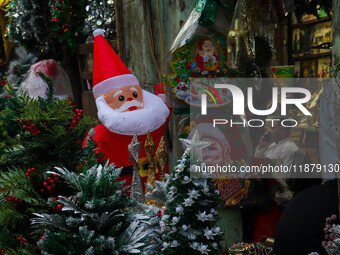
(135, 182)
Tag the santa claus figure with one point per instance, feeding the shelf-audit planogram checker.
(123, 109)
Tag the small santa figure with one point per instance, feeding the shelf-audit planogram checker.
(123, 109)
(207, 60)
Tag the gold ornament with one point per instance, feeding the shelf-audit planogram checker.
(3, 24)
(162, 156)
(234, 46)
(150, 148)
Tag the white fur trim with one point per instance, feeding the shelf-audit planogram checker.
(98, 32)
(150, 118)
(113, 83)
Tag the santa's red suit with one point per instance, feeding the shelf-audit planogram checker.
(117, 129)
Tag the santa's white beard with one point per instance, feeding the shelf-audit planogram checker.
(150, 118)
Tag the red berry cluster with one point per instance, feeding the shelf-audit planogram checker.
(32, 128)
(59, 206)
(29, 171)
(14, 200)
(82, 164)
(21, 240)
(330, 235)
(49, 184)
(75, 119)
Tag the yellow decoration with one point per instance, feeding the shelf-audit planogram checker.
(162, 156)
(143, 171)
(150, 148)
(3, 24)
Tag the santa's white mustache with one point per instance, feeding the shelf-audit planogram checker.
(129, 104)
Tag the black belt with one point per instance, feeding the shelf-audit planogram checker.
(128, 170)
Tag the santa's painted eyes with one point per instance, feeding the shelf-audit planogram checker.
(134, 94)
(121, 98)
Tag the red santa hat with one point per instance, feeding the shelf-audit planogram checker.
(109, 71)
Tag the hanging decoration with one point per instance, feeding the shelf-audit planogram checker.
(136, 187)
(3, 24)
(150, 148)
(100, 14)
(162, 156)
(203, 57)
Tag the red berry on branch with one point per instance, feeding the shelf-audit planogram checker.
(55, 175)
(45, 184)
(48, 179)
(59, 207)
(24, 127)
(19, 238)
(42, 191)
(15, 205)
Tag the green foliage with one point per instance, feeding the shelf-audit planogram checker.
(98, 219)
(36, 135)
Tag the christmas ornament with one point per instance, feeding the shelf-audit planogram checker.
(193, 194)
(165, 245)
(194, 245)
(194, 147)
(203, 249)
(209, 234)
(3, 24)
(217, 230)
(162, 156)
(136, 186)
(188, 202)
(179, 209)
(234, 46)
(174, 243)
(175, 220)
(150, 147)
(201, 216)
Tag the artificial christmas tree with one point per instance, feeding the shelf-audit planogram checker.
(189, 221)
(36, 135)
(19, 67)
(30, 22)
(98, 219)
